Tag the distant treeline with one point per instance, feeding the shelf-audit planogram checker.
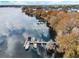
(53, 6)
(44, 6)
(11, 5)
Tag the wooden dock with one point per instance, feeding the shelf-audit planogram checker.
(32, 41)
(39, 43)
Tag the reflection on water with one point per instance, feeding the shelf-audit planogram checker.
(13, 23)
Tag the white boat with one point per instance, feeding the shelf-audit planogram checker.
(35, 45)
(27, 45)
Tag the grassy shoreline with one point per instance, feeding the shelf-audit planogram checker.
(63, 26)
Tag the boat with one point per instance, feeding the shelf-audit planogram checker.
(27, 45)
(34, 42)
(35, 45)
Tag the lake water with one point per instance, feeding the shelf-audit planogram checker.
(13, 24)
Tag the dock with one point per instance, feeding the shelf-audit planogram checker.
(39, 42)
(33, 41)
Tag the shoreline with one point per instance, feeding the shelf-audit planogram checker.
(58, 22)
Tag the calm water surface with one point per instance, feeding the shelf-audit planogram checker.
(13, 24)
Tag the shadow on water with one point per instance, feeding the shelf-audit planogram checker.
(52, 33)
(40, 52)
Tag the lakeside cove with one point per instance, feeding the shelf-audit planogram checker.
(63, 27)
(13, 26)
